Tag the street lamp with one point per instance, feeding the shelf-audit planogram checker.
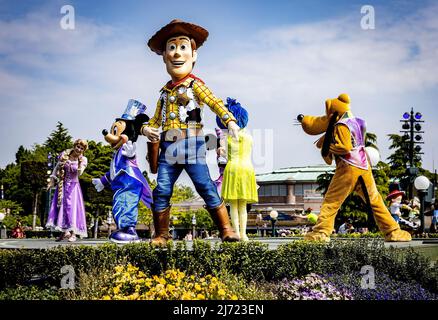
(274, 215)
(259, 220)
(109, 220)
(3, 234)
(422, 184)
(412, 139)
(193, 225)
(173, 219)
(2, 193)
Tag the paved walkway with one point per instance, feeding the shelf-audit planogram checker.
(273, 243)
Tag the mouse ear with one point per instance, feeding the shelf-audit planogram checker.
(140, 120)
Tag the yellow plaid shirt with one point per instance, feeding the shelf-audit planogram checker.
(168, 100)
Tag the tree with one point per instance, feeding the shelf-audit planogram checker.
(398, 160)
(203, 219)
(99, 159)
(21, 154)
(33, 174)
(371, 140)
(59, 140)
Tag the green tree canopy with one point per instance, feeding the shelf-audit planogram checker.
(59, 140)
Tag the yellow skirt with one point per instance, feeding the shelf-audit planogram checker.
(239, 183)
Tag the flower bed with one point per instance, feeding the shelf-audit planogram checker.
(298, 270)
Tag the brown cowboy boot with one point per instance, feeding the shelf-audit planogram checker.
(161, 224)
(222, 221)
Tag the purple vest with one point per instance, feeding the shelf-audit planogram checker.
(357, 156)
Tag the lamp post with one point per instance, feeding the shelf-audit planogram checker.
(193, 225)
(412, 130)
(259, 220)
(173, 219)
(274, 215)
(109, 220)
(422, 184)
(3, 234)
(50, 165)
(2, 193)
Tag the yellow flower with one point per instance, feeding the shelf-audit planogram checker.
(198, 287)
(134, 296)
(186, 296)
(116, 290)
(118, 269)
(234, 297)
(200, 297)
(106, 298)
(221, 292)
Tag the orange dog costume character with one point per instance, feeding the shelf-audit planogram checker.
(344, 141)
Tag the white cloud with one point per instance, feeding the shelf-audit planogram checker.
(85, 77)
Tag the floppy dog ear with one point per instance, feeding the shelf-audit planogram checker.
(329, 135)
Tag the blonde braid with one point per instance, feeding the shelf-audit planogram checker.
(61, 172)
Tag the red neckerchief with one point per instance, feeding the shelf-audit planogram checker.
(170, 85)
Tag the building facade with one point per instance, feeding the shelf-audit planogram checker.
(290, 190)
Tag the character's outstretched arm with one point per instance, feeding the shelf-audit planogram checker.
(150, 129)
(216, 105)
(102, 182)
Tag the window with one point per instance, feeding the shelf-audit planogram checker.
(262, 191)
(273, 190)
(307, 188)
(298, 189)
(283, 190)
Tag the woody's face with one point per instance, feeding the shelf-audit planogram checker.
(179, 57)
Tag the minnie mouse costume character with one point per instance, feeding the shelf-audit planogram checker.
(125, 178)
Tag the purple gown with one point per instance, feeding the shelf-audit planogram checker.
(70, 216)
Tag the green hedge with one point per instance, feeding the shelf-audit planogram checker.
(252, 260)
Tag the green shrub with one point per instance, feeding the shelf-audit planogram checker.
(251, 261)
(29, 293)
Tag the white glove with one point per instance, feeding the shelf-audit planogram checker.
(128, 149)
(97, 184)
(153, 134)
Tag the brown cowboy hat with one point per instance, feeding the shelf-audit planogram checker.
(395, 194)
(176, 27)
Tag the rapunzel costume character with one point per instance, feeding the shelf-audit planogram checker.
(67, 211)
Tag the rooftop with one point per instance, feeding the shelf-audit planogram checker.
(295, 174)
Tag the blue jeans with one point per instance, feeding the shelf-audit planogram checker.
(186, 154)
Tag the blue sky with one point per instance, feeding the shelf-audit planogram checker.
(279, 58)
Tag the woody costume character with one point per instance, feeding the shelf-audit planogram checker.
(181, 143)
(344, 142)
